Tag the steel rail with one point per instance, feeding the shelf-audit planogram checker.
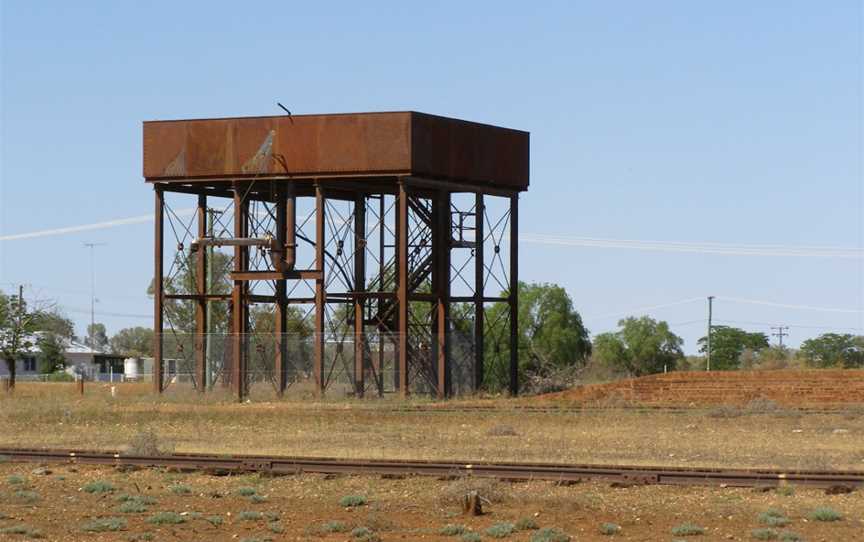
(625, 474)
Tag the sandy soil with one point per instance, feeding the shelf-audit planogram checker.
(56, 506)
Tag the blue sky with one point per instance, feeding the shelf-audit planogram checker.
(726, 122)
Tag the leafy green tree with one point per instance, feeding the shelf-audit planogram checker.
(642, 346)
(57, 323)
(18, 323)
(550, 332)
(51, 350)
(133, 341)
(728, 344)
(97, 337)
(834, 350)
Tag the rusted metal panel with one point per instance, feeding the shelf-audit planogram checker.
(444, 148)
(338, 145)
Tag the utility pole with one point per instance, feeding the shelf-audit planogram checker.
(710, 308)
(781, 332)
(92, 247)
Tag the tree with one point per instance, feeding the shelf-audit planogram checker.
(642, 346)
(18, 323)
(834, 350)
(136, 342)
(728, 344)
(51, 350)
(97, 338)
(550, 332)
(57, 323)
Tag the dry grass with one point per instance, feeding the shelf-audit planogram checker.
(51, 415)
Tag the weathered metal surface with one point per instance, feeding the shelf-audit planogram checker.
(338, 145)
(688, 476)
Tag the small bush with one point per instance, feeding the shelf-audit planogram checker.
(500, 530)
(246, 491)
(132, 507)
(25, 530)
(166, 518)
(773, 518)
(609, 529)
(725, 411)
(527, 524)
(272, 516)
(824, 513)
(550, 535)
(99, 486)
(16, 480)
(140, 537)
(214, 520)
(148, 443)
(143, 499)
(180, 489)
(789, 536)
(26, 496)
(248, 515)
(471, 537)
(104, 525)
(257, 499)
(453, 530)
(352, 500)
(334, 527)
(764, 534)
(687, 529)
(364, 534)
(276, 527)
(786, 491)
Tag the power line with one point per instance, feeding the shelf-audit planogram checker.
(780, 333)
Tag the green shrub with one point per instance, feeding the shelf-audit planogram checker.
(276, 527)
(104, 524)
(166, 518)
(764, 534)
(246, 491)
(132, 507)
(143, 499)
(214, 520)
(334, 527)
(272, 516)
(180, 489)
(364, 534)
(471, 537)
(257, 499)
(140, 537)
(25, 530)
(609, 529)
(452, 530)
(550, 535)
(786, 491)
(26, 496)
(500, 530)
(687, 529)
(527, 524)
(15, 479)
(789, 536)
(248, 515)
(824, 513)
(773, 518)
(98, 486)
(352, 500)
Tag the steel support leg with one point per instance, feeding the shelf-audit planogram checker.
(441, 282)
(200, 347)
(280, 328)
(402, 288)
(479, 275)
(158, 290)
(514, 295)
(320, 295)
(359, 288)
(238, 299)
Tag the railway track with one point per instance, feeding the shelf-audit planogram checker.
(563, 473)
